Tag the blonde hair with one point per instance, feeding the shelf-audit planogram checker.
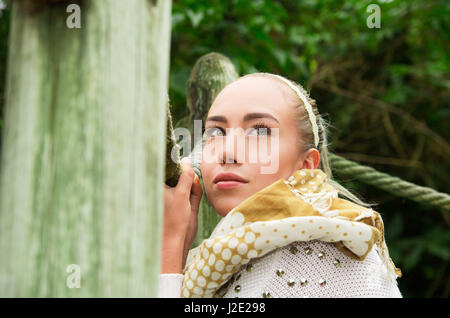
(306, 141)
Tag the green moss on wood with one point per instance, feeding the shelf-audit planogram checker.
(173, 168)
(211, 73)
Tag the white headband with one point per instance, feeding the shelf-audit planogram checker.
(312, 117)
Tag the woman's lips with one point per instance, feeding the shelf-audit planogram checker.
(229, 184)
(229, 180)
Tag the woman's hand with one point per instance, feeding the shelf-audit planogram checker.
(180, 218)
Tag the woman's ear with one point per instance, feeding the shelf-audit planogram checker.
(311, 160)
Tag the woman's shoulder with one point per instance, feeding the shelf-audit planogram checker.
(313, 269)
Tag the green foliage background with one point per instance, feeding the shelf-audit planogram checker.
(385, 91)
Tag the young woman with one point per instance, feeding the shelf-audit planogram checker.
(284, 232)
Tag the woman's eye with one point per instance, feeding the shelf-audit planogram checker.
(259, 130)
(214, 132)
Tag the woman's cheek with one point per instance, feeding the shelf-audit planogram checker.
(251, 151)
(205, 168)
(207, 154)
(286, 159)
(269, 155)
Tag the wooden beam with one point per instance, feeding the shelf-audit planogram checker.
(82, 166)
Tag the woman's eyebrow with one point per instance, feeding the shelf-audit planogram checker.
(251, 116)
(247, 117)
(221, 119)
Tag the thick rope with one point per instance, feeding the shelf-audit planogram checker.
(393, 185)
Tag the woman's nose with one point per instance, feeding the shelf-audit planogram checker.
(233, 148)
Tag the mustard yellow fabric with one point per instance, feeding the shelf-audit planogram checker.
(303, 208)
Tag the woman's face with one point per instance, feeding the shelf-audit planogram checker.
(251, 141)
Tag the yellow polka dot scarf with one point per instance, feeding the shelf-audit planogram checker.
(303, 208)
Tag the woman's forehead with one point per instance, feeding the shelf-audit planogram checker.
(253, 94)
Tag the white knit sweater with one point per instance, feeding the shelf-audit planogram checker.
(303, 269)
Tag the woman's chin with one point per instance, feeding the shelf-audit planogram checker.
(223, 208)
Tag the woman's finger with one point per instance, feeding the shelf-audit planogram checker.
(196, 194)
(187, 176)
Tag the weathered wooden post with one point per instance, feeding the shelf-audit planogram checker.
(211, 73)
(82, 164)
